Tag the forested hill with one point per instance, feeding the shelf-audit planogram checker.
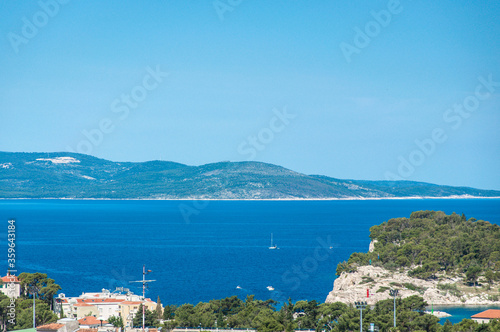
(72, 175)
(431, 242)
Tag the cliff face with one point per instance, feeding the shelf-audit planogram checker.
(351, 287)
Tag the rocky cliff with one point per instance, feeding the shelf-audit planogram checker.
(350, 287)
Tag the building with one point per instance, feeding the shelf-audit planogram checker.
(486, 316)
(105, 304)
(131, 308)
(90, 322)
(10, 286)
(62, 325)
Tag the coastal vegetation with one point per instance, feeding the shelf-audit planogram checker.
(264, 316)
(430, 245)
(36, 285)
(233, 312)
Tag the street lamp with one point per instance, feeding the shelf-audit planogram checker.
(361, 305)
(394, 293)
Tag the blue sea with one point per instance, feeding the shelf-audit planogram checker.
(203, 250)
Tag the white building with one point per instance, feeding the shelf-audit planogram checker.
(104, 304)
(486, 316)
(10, 286)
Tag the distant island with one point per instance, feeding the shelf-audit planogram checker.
(79, 176)
(446, 259)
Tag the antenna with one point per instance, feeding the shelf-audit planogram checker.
(144, 285)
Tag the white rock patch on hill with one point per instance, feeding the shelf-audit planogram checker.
(60, 160)
(351, 287)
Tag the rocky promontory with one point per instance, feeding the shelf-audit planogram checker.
(377, 281)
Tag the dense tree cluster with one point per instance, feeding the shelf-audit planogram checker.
(233, 312)
(263, 316)
(430, 242)
(32, 284)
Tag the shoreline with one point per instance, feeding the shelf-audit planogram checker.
(252, 199)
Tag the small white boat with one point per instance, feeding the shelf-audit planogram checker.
(271, 288)
(238, 287)
(273, 246)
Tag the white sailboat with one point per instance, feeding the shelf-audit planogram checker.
(273, 246)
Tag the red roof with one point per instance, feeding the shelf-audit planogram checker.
(83, 305)
(99, 300)
(9, 278)
(87, 330)
(131, 302)
(53, 326)
(91, 320)
(490, 313)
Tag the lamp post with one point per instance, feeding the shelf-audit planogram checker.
(361, 305)
(394, 293)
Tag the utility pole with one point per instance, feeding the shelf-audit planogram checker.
(361, 305)
(33, 289)
(394, 293)
(144, 285)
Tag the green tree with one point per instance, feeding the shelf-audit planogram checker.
(472, 273)
(169, 311)
(117, 321)
(159, 310)
(149, 318)
(24, 313)
(45, 287)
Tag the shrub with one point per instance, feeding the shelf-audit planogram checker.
(493, 298)
(366, 279)
(450, 288)
(382, 289)
(413, 287)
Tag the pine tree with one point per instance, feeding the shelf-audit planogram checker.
(159, 311)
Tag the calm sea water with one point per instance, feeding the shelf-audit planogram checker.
(91, 245)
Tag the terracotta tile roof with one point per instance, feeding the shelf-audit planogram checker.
(8, 279)
(131, 302)
(91, 320)
(490, 313)
(53, 326)
(99, 300)
(83, 305)
(87, 330)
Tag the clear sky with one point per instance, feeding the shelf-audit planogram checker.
(350, 89)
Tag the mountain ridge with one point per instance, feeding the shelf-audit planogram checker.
(74, 175)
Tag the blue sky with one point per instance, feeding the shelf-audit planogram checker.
(361, 90)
